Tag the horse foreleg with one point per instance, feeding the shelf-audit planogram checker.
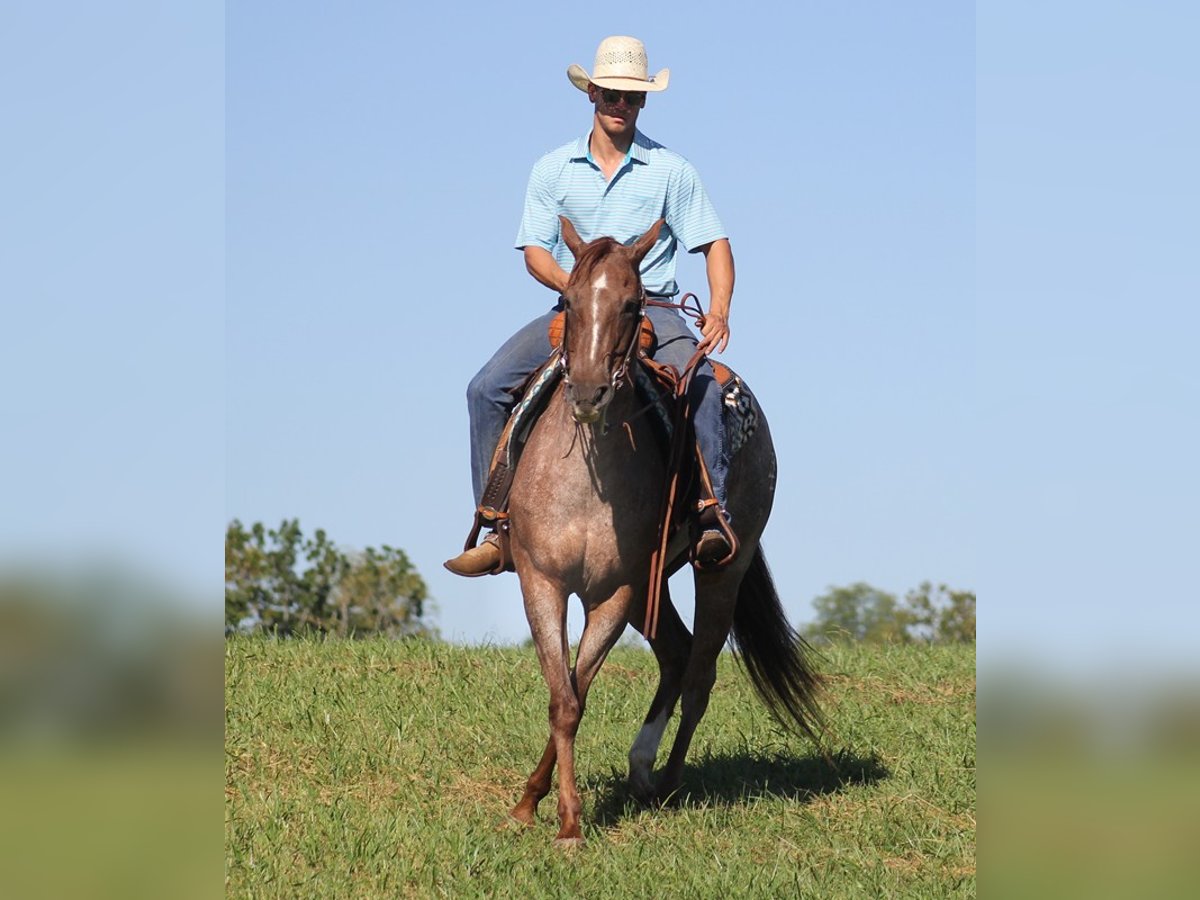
(715, 599)
(546, 610)
(603, 627)
(672, 646)
(605, 622)
(537, 787)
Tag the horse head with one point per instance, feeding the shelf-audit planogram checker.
(604, 304)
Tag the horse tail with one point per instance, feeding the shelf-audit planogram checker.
(777, 659)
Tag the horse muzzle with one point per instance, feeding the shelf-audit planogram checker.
(587, 403)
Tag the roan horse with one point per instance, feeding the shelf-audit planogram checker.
(583, 510)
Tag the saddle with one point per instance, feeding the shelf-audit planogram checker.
(659, 387)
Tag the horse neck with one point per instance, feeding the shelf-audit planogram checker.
(605, 448)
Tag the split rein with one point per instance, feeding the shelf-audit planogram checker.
(696, 312)
(658, 559)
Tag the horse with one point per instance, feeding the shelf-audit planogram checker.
(583, 519)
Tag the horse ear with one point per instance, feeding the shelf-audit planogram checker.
(643, 244)
(570, 236)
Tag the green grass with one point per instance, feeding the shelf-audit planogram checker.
(386, 769)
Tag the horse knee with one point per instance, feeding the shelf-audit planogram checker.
(697, 686)
(701, 679)
(675, 665)
(565, 714)
(479, 388)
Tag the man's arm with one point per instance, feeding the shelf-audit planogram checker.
(542, 265)
(718, 262)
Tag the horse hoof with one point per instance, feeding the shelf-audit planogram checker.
(568, 843)
(665, 798)
(521, 817)
(642, 791)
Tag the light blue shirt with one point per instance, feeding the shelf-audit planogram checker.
(652, 183)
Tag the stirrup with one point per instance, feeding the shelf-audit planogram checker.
(716, 545)
(475, 555)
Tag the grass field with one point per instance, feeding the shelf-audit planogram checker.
(382, 769)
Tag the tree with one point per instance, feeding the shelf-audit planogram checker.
(261, 581)
(941, 615)
(956, 623)
(278, 581)
(328, 567)
(860, 612)
(381, 592)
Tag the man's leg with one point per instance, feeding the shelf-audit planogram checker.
(489, 402)
(490, 393)
(675, 345)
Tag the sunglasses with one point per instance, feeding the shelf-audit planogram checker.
(633, 99)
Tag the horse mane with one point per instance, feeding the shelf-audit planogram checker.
(592, 255)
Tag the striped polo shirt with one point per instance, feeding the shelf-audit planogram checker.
(652, 183)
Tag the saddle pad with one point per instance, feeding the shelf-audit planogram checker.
(526, 411)
(741, 414)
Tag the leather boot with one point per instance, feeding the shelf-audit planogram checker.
(712, 546)
(481, 560)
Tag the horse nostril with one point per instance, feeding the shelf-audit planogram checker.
(587, 401)
(583, 411)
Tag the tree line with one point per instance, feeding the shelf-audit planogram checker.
(860, 612)
(281, 582)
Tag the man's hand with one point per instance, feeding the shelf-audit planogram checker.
(718, 262)
(715, 333)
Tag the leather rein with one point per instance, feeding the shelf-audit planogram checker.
(683, 381)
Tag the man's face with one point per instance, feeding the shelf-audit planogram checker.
(619, 109)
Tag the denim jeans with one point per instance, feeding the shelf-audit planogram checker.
(490, 395)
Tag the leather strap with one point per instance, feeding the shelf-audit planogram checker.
(719, 521)
(679, 440)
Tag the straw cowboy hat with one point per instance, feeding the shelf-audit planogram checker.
(621, 66)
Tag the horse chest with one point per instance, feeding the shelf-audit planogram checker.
(586, 502)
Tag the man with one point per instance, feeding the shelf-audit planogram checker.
(614, 181)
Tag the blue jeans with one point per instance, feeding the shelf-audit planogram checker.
(491, 393)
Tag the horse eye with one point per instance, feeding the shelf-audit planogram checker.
(631, 308)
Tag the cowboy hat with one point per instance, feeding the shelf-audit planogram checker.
(621, 66)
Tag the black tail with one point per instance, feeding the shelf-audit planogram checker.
(775, 657)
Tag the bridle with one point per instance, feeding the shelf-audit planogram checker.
(621, 372)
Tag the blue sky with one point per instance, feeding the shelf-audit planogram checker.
(1087, 287)
(376, 164)
(251, 257)
(111, 278)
